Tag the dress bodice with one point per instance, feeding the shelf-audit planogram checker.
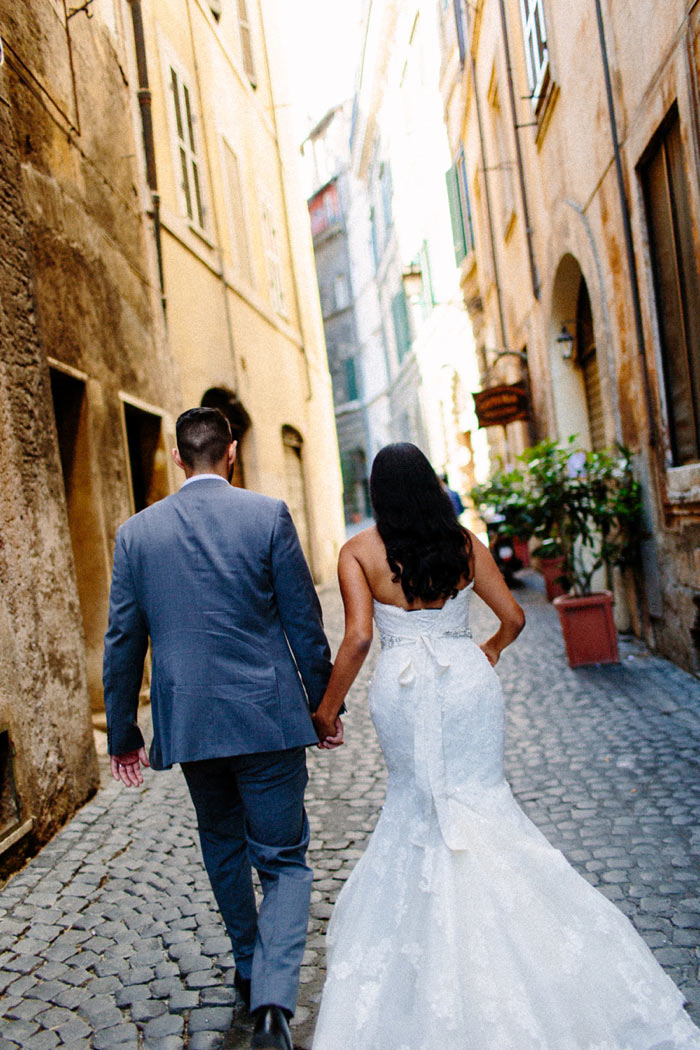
(398, 626)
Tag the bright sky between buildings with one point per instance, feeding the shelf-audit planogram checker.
(322, 46)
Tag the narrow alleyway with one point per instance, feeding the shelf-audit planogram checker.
(110, 938)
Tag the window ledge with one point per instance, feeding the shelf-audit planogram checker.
(544, 110)
(200, 234)
(682, 500)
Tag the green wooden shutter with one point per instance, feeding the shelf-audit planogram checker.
(399, 312)
(459, 240)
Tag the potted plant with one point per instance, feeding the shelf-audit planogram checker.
(546, 466)
(505, 507)
(599, 525)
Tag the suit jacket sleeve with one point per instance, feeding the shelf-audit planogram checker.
(299, 608)
(126, 643)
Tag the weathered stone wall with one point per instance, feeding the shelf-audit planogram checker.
(79, 309)
(43, 697)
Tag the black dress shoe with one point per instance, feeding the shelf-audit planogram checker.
(271, 1030)
(242, 986)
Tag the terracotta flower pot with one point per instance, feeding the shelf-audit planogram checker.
(522, 551)
(588, 628)
(551, 569)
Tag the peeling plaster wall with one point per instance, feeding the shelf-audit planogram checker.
(78, 301)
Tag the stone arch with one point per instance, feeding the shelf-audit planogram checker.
(227, 402)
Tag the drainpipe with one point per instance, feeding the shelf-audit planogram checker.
(627, 227)
(144, 97)
(519, 156)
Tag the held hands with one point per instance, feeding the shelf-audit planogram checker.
(127, 768)
(329, 730)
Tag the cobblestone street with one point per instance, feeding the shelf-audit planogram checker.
(110, 937)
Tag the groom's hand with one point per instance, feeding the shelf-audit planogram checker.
(127, 768)
(329, 731)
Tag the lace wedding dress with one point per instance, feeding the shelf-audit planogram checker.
(462, 928)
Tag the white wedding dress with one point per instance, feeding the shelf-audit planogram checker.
(462, 928)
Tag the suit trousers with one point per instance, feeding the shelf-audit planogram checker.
(250, 813)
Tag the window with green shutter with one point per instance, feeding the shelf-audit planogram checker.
(351, 379)
(460, 209)
(402, 330)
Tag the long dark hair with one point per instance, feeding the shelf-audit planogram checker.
(428, 551)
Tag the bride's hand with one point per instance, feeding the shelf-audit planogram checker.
(329, 731)
(490, 652)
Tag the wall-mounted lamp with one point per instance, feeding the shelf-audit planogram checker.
(412, 280)
(565, 342)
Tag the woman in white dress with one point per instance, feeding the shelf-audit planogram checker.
(462, 928)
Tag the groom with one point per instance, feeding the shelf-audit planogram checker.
(215, 576)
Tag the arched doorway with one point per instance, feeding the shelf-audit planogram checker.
(226, 401)
(577, 395)
(293, 445)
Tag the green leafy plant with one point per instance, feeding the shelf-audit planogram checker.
(583, 506)
(504, 494)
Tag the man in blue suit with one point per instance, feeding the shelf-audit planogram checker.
(216, 577)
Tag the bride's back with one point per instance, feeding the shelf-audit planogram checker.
(417, 555)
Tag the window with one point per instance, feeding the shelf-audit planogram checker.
(677, 286)
(340, 290)
(272, 254)
(460, 208)
(240, 244)
(459, 25)
(535, 37)
(386, 192)
(375, 238)
(188, 164)
(246, 42)
(402, 330)
(351, 379)
(504, 162)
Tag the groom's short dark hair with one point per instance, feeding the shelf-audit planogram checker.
(203, 435)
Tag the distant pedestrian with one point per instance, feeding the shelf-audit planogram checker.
(216, 578)
(455, 498)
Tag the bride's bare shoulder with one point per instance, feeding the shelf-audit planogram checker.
(362, 542)
(365, 547)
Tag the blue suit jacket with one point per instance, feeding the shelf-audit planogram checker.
(216, 577)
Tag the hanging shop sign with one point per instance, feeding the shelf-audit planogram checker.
(500, 405)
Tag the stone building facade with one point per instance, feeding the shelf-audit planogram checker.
(85, 375)
(240, 286)
(574, 136)
(328, 152)
(115, 313)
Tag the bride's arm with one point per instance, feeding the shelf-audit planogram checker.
(357, 600)
(492, 588)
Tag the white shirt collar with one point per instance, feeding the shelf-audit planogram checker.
(202, 477)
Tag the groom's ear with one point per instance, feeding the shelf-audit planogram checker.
(231, 453)
(178, 461)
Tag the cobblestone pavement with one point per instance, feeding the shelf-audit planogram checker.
(110, 937)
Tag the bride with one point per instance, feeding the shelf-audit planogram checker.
(461, 928)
